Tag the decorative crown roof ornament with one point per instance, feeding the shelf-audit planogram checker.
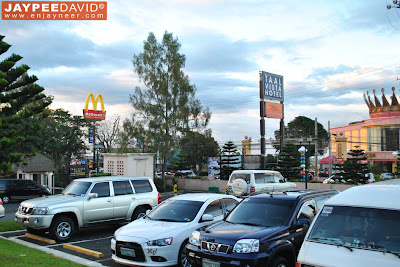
(378, 110)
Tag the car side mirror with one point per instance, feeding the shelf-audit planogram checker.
(93, 195)
(282, 181)
(207, 218)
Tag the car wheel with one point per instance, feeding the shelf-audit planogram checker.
(279, 262)
(62, 228)
(35, 231)
(6, 199)
(182, 257)
(138, 213)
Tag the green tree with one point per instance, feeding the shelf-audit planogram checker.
(303, 127)
(167, 106)
(289, 162)
(21, 100)
(229, 158)
(197, 148)
(60, 137)
(356, 163)
(271, 162)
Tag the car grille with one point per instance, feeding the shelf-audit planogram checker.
(135, 246)
(214, 247)
(25, 210)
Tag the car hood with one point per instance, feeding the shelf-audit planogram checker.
(229, 233)
(150, 229)
(49, 201)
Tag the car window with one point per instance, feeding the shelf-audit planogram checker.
(265, 212)
(229, 204)
(243, 176)
(307, 210)
(77, 188)
(263, 178)
(122, 188)
(102, 189)
(141, 186)
(214, 208)
(176, 210)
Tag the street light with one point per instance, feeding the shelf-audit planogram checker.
(303, 151)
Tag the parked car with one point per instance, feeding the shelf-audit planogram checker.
(185, 173)
(265, 229)
(358, 227)
(245, 182)
(159, 239)
(87, 201)
(159, 174)
(20, 189)
(363, 178)
(2, 210)
(387, 175)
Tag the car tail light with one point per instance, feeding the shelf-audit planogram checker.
(226, 190)
(252, 189)
(1, 202)
(159, 198)
(298, 264)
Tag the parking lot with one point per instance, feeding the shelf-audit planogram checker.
(95, 239)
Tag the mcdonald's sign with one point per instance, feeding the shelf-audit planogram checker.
(94, 114)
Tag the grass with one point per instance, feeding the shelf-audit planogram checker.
(14, 254)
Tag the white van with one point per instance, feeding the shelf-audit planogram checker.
(357, 227)
(245, 182)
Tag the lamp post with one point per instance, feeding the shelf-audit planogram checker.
(396, 155)
(302, 151)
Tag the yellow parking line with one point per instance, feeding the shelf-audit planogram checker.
(84, 250)
(43, 239)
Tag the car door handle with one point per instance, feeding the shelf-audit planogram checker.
(133, 198)
(108, 200)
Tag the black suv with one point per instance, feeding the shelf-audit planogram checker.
(265, 229)
(20, 189)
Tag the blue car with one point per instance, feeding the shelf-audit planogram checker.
(265, 229)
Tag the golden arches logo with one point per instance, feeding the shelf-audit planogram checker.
(94, 114)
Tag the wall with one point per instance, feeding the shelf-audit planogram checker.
(204, 183)
(129, 164)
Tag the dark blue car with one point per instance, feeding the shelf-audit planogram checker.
(265, 229)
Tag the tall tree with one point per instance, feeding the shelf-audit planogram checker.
(355, 164)
(167, 106)
(107, 133)
(304, 127)
(289, 162)
(62, 136)
(229, 160)
(21, 99)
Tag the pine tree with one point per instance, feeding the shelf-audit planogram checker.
(356, 164)
(230, 157)
(289, 162)
(21, 99)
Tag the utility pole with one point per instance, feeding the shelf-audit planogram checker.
(330, 149)
(316, 146)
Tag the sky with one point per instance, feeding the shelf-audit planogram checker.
(329, 53)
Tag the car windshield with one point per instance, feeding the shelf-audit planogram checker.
(176, 211)
(358, 227)
(77, 188)
(266, 212)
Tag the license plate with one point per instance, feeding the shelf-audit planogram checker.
(207, 263)
(128, 252)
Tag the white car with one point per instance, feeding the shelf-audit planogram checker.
(2, 210)
(160, 237)
(245, 182)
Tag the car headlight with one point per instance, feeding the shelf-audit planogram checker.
(195, 238)
(160, 242)
(40, 211)
(247, 246)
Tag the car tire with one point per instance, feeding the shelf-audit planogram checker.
(62, 228)
(35, 231)
(182, 257)
(279, 262)
(6, 199)
(138, 212)
(239, 187)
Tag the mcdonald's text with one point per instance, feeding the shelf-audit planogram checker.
(94, 114)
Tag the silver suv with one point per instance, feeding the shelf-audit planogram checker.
(87, 201)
